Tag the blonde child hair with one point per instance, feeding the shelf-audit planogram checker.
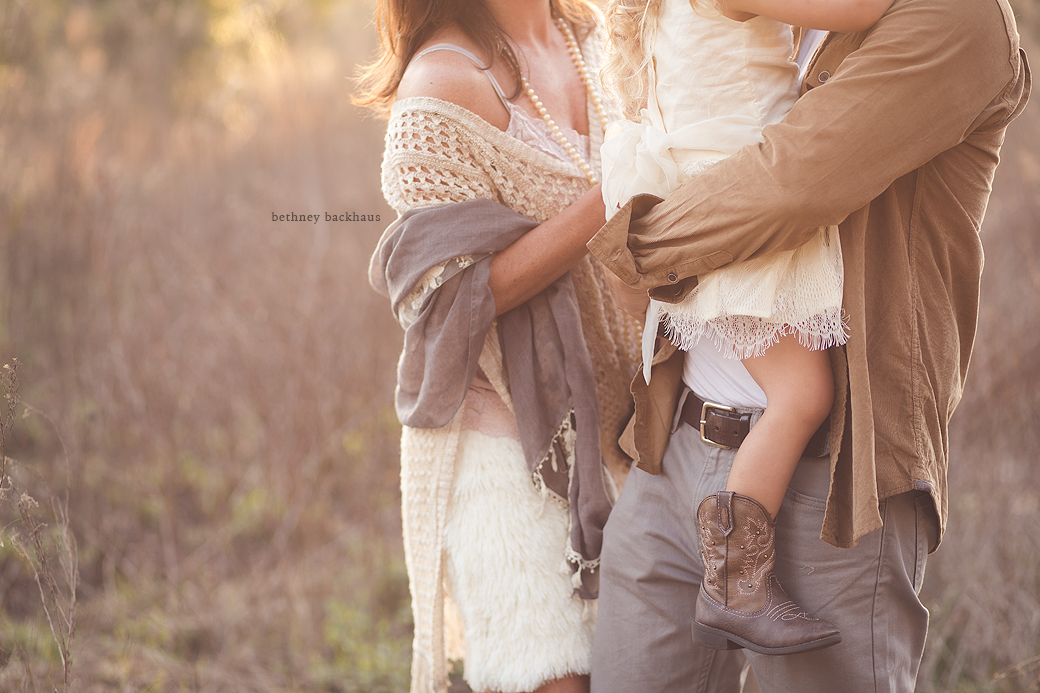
(631, 25)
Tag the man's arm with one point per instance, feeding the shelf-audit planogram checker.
(925, 76)
(632, 301)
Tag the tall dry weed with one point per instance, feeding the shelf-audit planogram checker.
(48, 550)
(226, 379)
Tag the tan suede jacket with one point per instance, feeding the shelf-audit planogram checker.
(895, 138)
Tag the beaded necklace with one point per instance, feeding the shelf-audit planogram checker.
(590, 90)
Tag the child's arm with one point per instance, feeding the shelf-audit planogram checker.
(829, 15)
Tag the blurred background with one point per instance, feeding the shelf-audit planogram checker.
(203, 479)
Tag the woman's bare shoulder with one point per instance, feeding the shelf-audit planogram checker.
(453, 77)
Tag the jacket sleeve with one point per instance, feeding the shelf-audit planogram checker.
(925, 77)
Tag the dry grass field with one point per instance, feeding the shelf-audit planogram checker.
(202, 490)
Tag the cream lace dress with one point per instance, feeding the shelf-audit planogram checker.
(478, 533)
(714, 84)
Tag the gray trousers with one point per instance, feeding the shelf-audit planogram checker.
(652, 569)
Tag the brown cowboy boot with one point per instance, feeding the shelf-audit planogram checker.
(741, 603)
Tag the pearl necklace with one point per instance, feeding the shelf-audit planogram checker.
(590, 90)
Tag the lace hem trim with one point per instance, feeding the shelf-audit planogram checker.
(742, 337)
(430, 282)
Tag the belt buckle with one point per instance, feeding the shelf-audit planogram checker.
(704, 420)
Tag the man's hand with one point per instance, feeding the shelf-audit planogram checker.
(632, 301)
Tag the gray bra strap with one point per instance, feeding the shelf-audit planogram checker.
(476, 61)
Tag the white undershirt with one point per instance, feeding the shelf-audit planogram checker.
(810, 42)
(706, 371)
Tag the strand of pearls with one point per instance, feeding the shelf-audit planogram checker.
(590, 90)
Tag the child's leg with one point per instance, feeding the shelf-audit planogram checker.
(799, 391)
(741, 603)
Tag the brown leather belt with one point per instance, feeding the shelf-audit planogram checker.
(725, 427)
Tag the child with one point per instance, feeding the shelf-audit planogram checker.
(703, 81)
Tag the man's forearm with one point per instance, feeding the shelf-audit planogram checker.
(920, 80)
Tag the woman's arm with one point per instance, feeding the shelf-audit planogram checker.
(545, 253)
(829, 15)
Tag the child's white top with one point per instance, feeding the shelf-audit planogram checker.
(714, 84)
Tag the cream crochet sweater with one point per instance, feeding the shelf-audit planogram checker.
(438, 153)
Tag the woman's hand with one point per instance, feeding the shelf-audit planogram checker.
(632, 301)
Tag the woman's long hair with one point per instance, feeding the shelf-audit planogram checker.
(405, 25)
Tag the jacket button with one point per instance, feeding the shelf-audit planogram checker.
(824, 76)
(672, 278)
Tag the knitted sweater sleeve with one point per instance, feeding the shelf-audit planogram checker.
(429, 160)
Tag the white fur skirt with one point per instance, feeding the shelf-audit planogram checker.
(521, 623)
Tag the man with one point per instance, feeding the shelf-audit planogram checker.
(895, 138)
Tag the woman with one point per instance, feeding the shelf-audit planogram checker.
(512, 385)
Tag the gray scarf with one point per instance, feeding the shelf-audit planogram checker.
(548, 365)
